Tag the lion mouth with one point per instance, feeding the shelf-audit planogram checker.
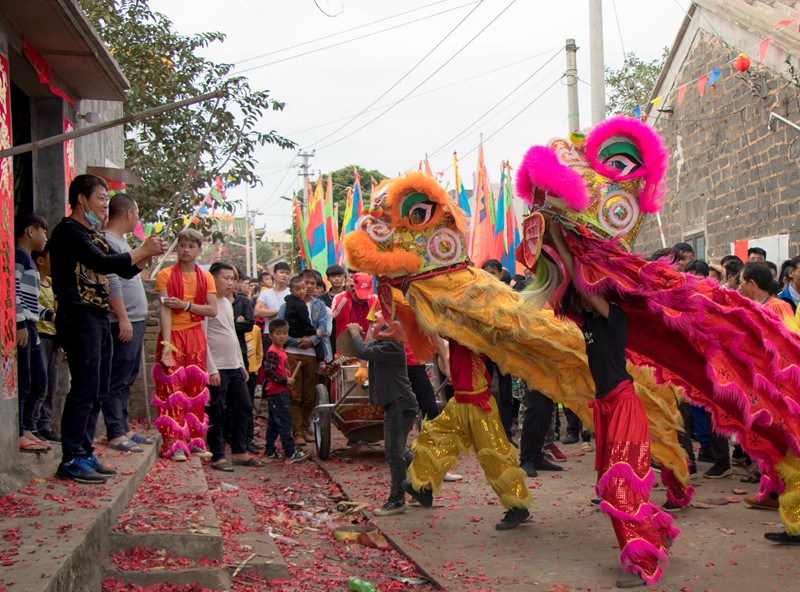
(363, 254)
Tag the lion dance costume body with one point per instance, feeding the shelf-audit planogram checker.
(413, 239)
(731, 356)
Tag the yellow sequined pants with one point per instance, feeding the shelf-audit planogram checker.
(789, 500)
(459, 427)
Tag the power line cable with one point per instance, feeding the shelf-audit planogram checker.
(403, 77)
(305, 53)
(427, 92)
(489, 24)
(619, 29)
(525, 108)
(295, 46)
(494, 106)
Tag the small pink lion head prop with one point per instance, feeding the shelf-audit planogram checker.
(607, 179)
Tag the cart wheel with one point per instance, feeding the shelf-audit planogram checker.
(322, 427)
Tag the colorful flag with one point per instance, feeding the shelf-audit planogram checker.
(461, 193)
(229, 232)
(315, 232)
(483, 216)
(428, 170)
(352, 212)
(300, 230)
(512, 227)
(499, 240)
(330, 238)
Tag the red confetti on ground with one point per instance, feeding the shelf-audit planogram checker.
(12, 506)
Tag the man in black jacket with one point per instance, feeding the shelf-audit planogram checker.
(81, 258)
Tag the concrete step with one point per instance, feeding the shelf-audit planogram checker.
(62, 527)
(172, 511)
(206, 577)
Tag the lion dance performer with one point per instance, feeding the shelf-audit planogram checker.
(412, 238)
(188, 295)
(733, 357)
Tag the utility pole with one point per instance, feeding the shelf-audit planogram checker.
(305, 172)
(254, 256)
(249, 254)
(597, 74)
(573, 115)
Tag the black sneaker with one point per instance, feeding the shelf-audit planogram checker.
(595, 501)
(631, 580)
(100, 467)
(273, 456)
(529, 469)
(49, 435)
(782, 538)
(80, 471)
(512, 518)
(671, 508)
(253, 449)
(706, 455)
(424, 497)
(297, 457)
(718, 471)
(390, 508)
(546, 465)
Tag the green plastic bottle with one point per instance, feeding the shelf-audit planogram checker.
(359, 585)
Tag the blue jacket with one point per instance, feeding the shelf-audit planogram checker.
(321, 319)
(787, 297)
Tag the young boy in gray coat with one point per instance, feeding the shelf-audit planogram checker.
(390, 388)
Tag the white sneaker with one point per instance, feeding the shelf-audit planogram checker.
(450, 477)
(178, 456)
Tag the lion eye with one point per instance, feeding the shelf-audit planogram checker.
(624, 164)
(420, 213)
(621, 155)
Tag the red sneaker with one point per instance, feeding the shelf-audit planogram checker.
(557, 455)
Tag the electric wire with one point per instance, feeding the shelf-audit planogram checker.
(525, 108)
(309, 52)
(403, 77)
(424, 81)
(494, 106)
(427, 92)
(619, 29)
(323, 38)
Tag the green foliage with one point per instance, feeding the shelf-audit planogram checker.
(632, 84)
(164, 66)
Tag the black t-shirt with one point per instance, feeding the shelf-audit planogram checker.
(80, 260)
(605, 347)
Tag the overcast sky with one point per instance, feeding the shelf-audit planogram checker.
(326, 89)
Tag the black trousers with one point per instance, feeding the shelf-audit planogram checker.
(535, 424)
(720, 446)
(86, 339)
(231, 394)
(505, 399)
(574, 424)
(423, 391)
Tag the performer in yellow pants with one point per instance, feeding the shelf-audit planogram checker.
(469, 420)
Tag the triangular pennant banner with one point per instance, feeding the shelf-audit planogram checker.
(701, 84)
(781, 24)
(656, 102)
(637, 112)
(138, 231)
(763, 46)
(713, 76)
(681, 94)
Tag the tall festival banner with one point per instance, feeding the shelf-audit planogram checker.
(8, 347)
(69, 163)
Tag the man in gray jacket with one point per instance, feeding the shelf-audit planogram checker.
(391, 389)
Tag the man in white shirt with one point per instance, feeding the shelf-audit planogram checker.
(227, 382)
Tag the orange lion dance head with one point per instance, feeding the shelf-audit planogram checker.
(411, 227)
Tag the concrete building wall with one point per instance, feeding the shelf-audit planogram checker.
(105, 149)
(730, 177)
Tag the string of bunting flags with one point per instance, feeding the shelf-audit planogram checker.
(740, 63)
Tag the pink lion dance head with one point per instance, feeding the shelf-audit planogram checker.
(606, 180)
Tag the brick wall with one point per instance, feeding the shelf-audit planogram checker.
(729, 175)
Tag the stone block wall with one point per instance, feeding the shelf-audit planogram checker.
(143, 387)
(729, 176)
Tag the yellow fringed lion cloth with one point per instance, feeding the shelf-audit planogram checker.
(413, 238)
